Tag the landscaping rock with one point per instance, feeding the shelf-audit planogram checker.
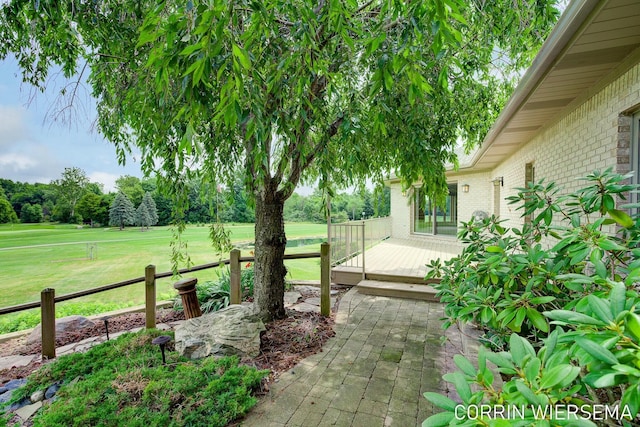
(7, 390)
(291, 298)
(27, 411)
(64, 326)
(37, 396)
(51, 391)
(16, 406)
(234, 330)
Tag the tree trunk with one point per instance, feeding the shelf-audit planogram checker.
(269, 267)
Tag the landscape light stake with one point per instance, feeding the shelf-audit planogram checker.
(162, 340)
(106, 325)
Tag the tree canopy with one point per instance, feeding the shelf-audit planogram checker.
(284, 90)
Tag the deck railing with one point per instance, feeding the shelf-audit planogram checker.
(48, 299)
(349, 240)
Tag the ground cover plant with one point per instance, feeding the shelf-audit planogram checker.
(558, 301)
(123, 382)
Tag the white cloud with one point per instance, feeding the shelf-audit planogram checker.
(13, 126)
(108, 180)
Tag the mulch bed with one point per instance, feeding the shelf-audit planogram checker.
(284, 343)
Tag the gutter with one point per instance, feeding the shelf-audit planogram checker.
(575, 16)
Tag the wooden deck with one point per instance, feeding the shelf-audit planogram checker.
(397, 260)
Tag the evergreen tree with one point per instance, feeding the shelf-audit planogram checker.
(143, 216)
(121, 212)
(148, 201)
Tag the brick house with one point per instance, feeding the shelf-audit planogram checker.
(576, 109)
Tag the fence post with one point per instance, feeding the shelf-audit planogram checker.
(234, 265)
(364, 248)
(150, 296)
(325, 280)
(48, 322)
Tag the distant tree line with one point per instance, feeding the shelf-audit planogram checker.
(74, 199)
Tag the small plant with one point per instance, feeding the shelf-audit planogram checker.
(125, 382)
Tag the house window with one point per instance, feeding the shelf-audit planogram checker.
(431, 219)
(529, 178)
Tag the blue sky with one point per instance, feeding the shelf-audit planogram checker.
(36, 148)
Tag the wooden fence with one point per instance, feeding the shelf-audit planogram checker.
(48, 299)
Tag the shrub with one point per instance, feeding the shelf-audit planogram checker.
(558, 297)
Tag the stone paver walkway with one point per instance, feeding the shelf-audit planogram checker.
(386, 353)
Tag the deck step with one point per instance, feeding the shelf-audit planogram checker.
(397, 290)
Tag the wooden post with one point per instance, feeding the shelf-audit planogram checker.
(234, 265)
(150, 296)
(187, 290)
(364, 248)
(48, 321)
(325, 280)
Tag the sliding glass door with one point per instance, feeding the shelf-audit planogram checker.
(429, 219)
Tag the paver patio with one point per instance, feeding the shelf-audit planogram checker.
(385, 354)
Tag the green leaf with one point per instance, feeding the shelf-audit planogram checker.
(557, 374)
(439, 420)
(461, 384)
(605, 378)
(242, 56)
(609, 245)
(631, 399)
(520, 348)
(621, 218)
(597, 351)
(464, 365)
(633, 325)
(494, 249)
(537, 319)
(600, 308)
(617, 298)
(572, 317)
(527, 393)
(440, 401)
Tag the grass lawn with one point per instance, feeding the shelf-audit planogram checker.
(35, 257)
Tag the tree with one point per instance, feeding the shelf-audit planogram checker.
(122, 211)
(152, 210)
(7, 214)
(284, 90)
(90, 207)
(31, 213)
(132, 187)
(70, 187)
(143, 217)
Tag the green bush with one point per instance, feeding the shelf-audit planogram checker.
(558, 296)
(124, 383)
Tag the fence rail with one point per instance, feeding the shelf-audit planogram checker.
(48, 298)
(349, 240)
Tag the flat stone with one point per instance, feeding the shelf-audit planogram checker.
(291, 298)
(316, 301)
(27, 411)
(306, 308)
(16, 361)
